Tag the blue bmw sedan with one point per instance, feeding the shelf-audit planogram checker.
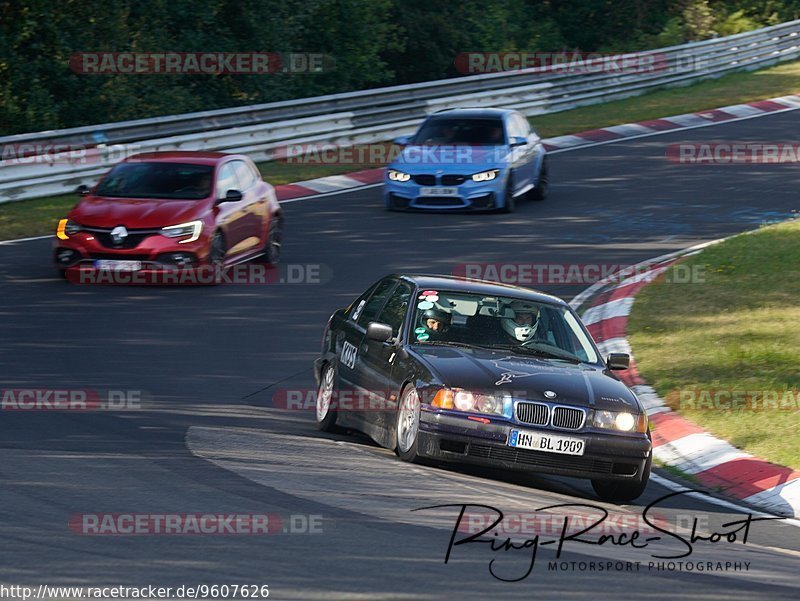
(467, 159)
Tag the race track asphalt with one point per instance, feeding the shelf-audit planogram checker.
(208, 361)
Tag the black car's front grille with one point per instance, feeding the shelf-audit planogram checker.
(539, 459)
(568, 418)
(536, 414)
(424, 179)
(453, 180)
(440, 201)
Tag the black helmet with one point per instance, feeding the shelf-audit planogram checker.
(442, 317)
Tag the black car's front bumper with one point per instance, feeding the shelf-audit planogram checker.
(606, 456)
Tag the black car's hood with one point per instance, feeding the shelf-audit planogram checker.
(527, 377)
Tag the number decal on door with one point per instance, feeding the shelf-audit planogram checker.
(349, 355)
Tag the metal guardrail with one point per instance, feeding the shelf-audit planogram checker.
(373, 115)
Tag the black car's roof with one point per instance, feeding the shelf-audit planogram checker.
(460, 284)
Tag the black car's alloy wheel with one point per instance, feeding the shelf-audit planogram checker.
(326, 405)
(408, 425)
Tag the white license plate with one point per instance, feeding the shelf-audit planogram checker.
(115, 265)
(548, 443)
(439, 191)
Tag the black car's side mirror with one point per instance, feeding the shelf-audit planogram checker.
(82, 190)
(618, 361)
(380, 332)
(231, 196)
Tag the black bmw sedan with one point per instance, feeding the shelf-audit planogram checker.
(467, 371)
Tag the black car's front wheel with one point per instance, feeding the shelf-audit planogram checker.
(326, 406)
(408, 425)
(623, 491)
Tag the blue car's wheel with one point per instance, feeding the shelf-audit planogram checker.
(508, 201)
(540, 191)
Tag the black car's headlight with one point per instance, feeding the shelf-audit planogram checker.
(622, 421)
(473, 402)
(485, 176)
(398, 176)
(66, 228)
(189, 230)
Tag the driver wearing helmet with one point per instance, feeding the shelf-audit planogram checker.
(520, 320)
(435, 321)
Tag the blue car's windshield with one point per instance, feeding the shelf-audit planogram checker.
(454, 131)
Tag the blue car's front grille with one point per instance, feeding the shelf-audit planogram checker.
(453, 180)
(440, 201)
(424, 179)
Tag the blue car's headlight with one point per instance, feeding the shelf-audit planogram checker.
(485, 176)
(398, 176)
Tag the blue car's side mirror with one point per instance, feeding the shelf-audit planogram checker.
(402, 140)
(518, 141)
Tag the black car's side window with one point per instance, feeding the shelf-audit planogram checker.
(395, 310)
(369, 311)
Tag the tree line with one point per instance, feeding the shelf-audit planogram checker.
(353, 44)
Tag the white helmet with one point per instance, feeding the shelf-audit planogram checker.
(518, 327)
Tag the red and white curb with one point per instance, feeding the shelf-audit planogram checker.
(652, 127)
(326, 185)
(676, 441)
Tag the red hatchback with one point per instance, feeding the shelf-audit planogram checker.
(163, 211)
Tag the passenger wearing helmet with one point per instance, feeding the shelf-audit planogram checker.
(435, 322)
(520, 321)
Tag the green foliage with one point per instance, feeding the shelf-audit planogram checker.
(371, 43)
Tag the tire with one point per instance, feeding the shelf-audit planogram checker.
(273, 245)
(543, 186)
(510, 204)
(407, 428)
(623, 491)
(216, 257)
(326, 405)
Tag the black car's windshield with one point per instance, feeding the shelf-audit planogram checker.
(181, 181)
(517, 325)
(472, 132)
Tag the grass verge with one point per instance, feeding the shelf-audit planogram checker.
(723, 351)
(37, 217)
